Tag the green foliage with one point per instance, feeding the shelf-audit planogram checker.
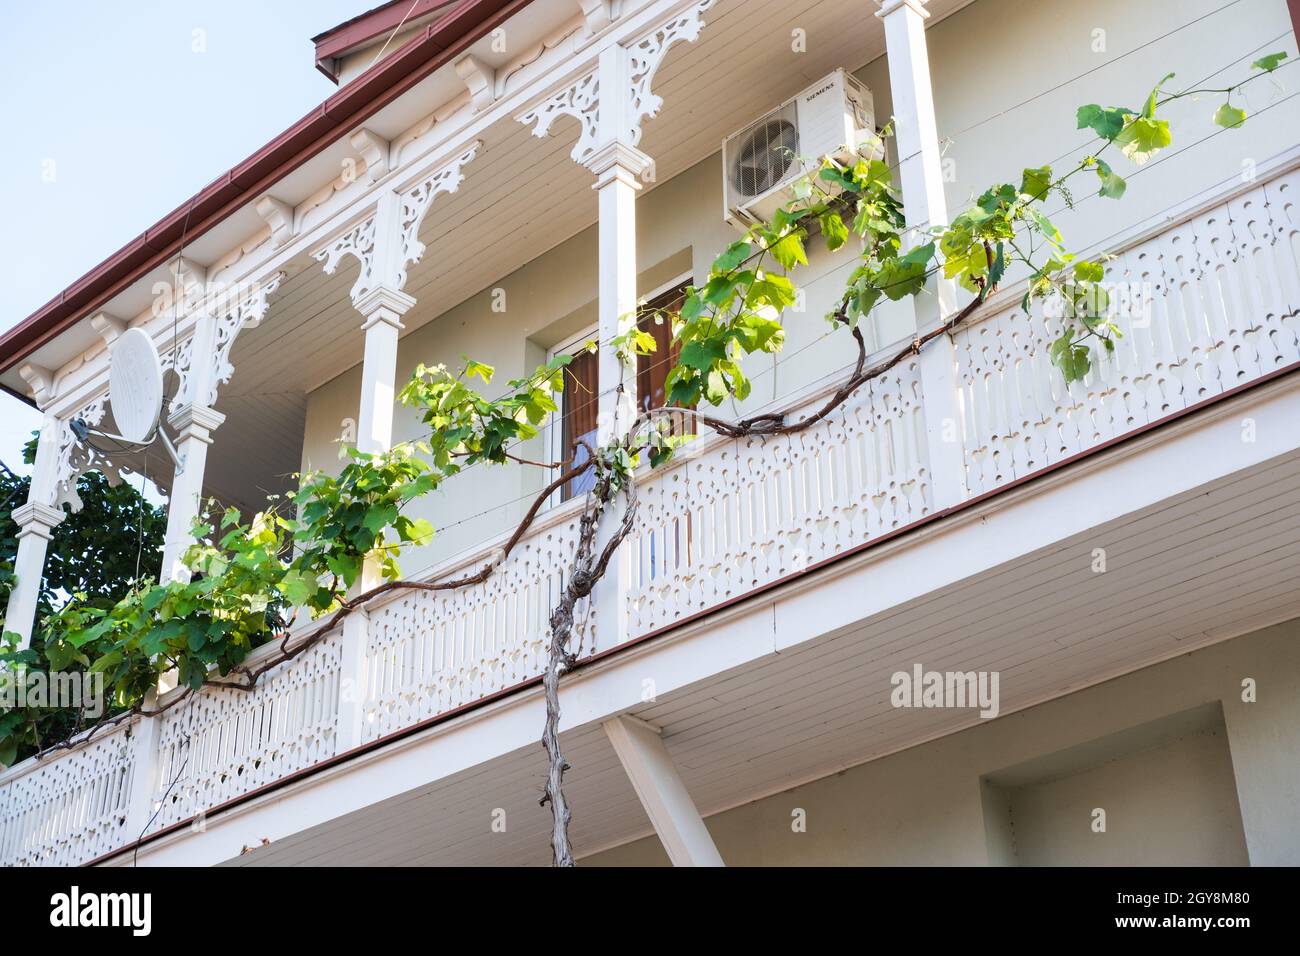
(249, 579)
(98, 551)
(464, 425)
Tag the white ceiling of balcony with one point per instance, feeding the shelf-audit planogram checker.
(1208, 565)
(741, 66)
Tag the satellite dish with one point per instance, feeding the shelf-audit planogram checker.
(135, 385)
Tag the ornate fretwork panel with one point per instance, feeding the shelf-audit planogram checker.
(72, 807)
(1203, 307)
(415, 204)
(202, 368)
(743, 514)
(222, 743)
(586, 101)
(246, 313)
(76, 457)
(431, 651)
(359, 243)
(645, 56)
(581, 100)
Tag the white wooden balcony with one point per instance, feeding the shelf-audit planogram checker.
(730, 531)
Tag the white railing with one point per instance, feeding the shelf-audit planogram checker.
(1213, 305)
(224, 743)
(432, 651)
(731, 516)
(1221, 291)
(72, 806)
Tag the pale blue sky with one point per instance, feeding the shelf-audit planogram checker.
(135, 121)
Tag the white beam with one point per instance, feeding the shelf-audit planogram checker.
(641, 750)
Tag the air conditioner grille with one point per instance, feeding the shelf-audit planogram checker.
(765, 153)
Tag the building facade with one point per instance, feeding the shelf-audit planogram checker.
(1104, 573)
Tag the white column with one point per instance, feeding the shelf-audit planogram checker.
(36, 521)
(382, 308)
(35, 526)
(921, 171)
(618, 167)
(194, 425)
(144, 773)
(641, 750)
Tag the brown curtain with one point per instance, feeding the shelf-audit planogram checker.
(652, 370)
(581, 400)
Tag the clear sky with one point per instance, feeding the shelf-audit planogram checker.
(116, 113)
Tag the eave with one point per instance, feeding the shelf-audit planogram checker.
(435, 46)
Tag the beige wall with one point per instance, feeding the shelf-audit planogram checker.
(989, 57)
(1187, 772)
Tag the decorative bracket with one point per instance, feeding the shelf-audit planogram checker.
(387, 241)
(212, 342)
(359, 243)
(612, 100)
(108, 327)
(416, 202)
(599, 14)
(279, 216)
(481, 80)
(75, 458)
(374, 150)
(40, 380)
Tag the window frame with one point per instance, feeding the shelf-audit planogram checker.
(555, 444)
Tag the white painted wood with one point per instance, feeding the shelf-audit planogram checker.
(194, 426)
(661, 791)
(36, 520)
(921, 174)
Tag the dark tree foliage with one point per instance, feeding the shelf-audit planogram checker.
(98, 551)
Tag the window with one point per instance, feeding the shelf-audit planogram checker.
(581, 399)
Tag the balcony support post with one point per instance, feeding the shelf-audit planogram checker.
(144, 773)
(36, 521)
(618, 166)
(194, 426)
(667, 803)
(921, 172)
(382, 306)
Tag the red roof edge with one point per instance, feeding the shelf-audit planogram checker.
(337, 41)
(374, 89)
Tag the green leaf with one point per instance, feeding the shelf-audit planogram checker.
(297, 587)
(1106, 123)
(789, 251)
(1229, 117)
(1034, 183)
(1268, 63)
(1142, 138)
(1112, 184)
(736, 253)
(834, 230)
(1073, 360)
(1149, 110)
(8, 751)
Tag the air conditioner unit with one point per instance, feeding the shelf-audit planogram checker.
(761, 162)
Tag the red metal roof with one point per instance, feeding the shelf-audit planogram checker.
(338, 41)
(435, 45)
